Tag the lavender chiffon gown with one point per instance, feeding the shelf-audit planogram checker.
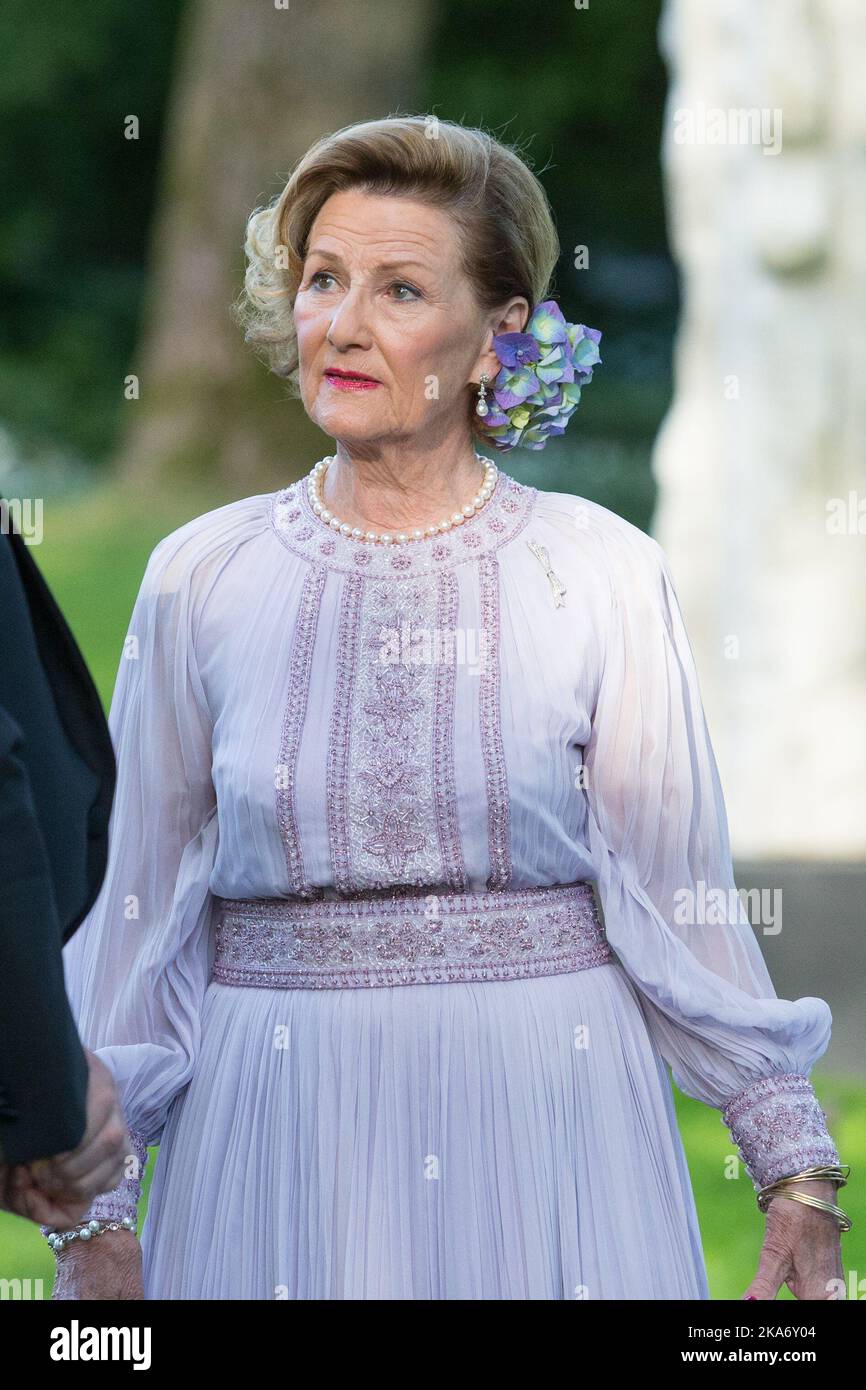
(499, 1138)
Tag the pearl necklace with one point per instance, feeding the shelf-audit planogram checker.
(315, 480)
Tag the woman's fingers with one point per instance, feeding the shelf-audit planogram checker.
(96, 1167)
(801, 1249)
(774, 1265)
(44, 1210)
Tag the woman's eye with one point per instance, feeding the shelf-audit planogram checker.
(401, 285)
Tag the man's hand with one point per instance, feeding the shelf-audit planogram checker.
(58, 1191)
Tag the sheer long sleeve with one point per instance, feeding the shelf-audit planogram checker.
(659, 836)
(137, 967)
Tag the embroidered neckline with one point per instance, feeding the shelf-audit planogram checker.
(302, 531)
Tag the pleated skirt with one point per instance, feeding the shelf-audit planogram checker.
(510, 1139)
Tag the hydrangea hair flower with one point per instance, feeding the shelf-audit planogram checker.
(538, 387)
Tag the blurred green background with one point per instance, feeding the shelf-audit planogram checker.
(85, 232)
(86, 269)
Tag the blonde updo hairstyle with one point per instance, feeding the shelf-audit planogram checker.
(508, 239)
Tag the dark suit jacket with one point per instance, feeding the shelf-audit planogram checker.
(57, 779)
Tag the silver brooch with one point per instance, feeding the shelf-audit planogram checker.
(559, 589)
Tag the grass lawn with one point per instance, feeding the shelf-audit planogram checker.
(93, 555)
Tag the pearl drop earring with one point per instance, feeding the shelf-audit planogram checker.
(482, 408)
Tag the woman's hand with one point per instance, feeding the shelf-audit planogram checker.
(106, 1266)
(19, 1194)
(801, 1247)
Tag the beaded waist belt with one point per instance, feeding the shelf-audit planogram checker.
(408, 938)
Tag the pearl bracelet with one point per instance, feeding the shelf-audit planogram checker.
(59, 1240)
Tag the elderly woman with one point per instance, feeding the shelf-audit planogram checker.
(420, 874)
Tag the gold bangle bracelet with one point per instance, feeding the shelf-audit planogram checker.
(843, 1220)
(829, 1172)
(832, 1172)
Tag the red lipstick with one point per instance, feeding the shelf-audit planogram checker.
(350, 381)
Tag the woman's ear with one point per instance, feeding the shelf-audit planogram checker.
(512, 319)
(516, 316)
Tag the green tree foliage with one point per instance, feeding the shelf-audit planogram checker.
(78, 202)
(581, 91)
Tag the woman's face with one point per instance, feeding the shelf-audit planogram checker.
(383, 294)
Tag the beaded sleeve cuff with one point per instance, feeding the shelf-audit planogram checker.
(779, 1127)
(121, 1200)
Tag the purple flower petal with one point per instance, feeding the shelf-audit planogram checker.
(516, 349)
(548, 391)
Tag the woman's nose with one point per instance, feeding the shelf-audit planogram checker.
(349, 326)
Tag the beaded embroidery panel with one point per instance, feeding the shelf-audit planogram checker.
(409, 939)
(779, 1127)
(390, 774)
(390, 783)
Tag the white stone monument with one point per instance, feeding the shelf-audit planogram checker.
(761, 460)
